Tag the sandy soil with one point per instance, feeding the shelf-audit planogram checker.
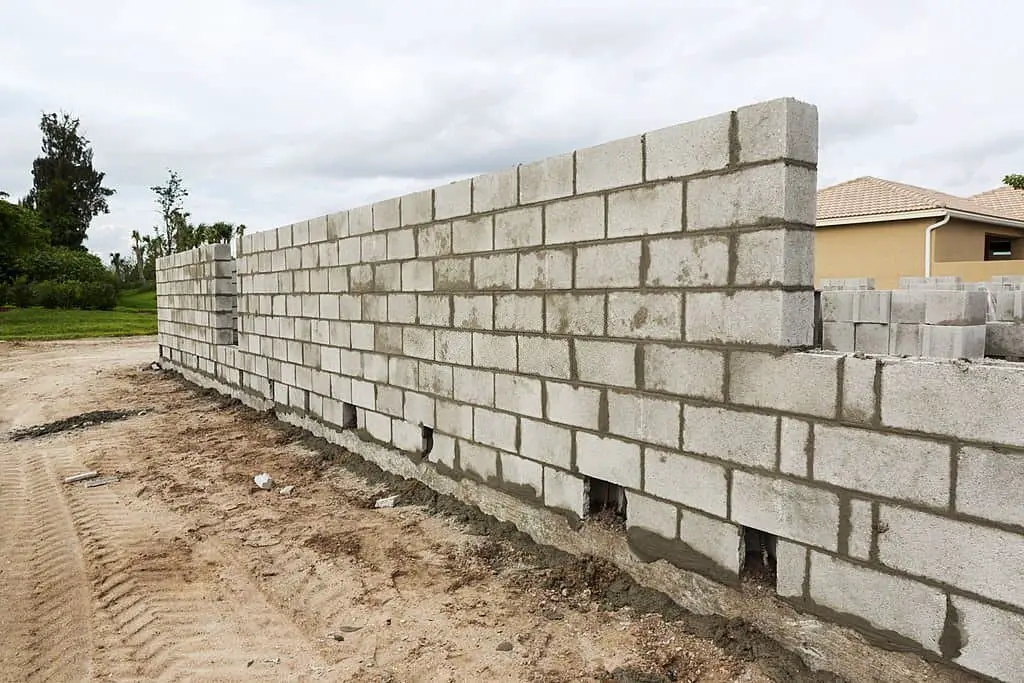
(183, 570)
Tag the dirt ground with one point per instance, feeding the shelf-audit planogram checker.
(177, 567)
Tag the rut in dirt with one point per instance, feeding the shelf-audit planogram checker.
(90, 419)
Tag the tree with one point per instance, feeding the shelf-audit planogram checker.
(67, 192)
(1015, 180)
(20, 233)
(170, 197)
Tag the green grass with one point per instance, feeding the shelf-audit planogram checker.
(135, 314)
(137, 301)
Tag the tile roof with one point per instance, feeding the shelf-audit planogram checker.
(870, 196)
(1006, 200)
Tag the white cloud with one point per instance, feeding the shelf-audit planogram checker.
(276, 110)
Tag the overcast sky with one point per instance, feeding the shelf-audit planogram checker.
(278, 110)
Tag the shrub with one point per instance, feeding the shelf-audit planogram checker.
(63, 265)
(21, 293)
(75, 294)
(5, 293)
(98, 295)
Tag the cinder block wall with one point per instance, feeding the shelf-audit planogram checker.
(639, 314)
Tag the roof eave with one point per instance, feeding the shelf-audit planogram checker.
(925, 213)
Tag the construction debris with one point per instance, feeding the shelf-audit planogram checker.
(264, 481)
(81, 477)
(388, 502)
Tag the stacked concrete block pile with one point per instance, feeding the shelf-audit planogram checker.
(627, 317)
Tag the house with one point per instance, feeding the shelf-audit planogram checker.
(870, 227)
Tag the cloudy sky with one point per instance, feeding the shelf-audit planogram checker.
(278, 110)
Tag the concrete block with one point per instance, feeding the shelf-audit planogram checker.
(784, 128)
(337, 222)
(498, 190)
(419, 409)
(417, 276)
(417, 208)
(1006, 305)
(545, 442)
(360, 221)
(453, 275)
(805, 383)
(846, 283)
(861, 530)
(794, 447)
(966, 556)
(871, 338)
(434, 239)
(495, 429)
(644, 418)
(519, 395)
(519, 228)
(645, 316)
(453, 346)
(473, 386)
(547, 179)
(768, 317)
(402, 308)
(389, 402)
(953, 341)
(608, 266)
(608, 459)
(565, 491)
(452, 199)
(348, 252)
(717, 541)
(478, 460)
(473, 311)
(790, 569)
(775, 258)
(760, 195)
(443, 452)
(785, 508)
(701, 261)
(407, 437)
(575, 314)
(992, 640)
(386, 214)
(375, 367)
(907, 306)
(494, 351)
(361, 278)
(455, 419)
(547, 269)
(519, 312)
(886, 465)
(653, 515)
(378, 426)
(522, 474)
(645, 210)
(859, 395)
(745, 438)
(838, 306)
(872, 306)
(544, 356)
(364, 394)
(943, 282)
(473, 234)
(955, 308)
(693, 482)
(495, 271)
(688, 148)
(401, 244)
(990, 484)
(574, 220)
(1004, 339)
(300, 233)
(905, 339)
(435, 379)
(434, 310)
(613, 164)
(887, 603)
(606, 362)
(685, 371)
(576, 406)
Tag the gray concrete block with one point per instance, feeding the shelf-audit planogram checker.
(1004, 340)
(401, 244)
(574, 220)
(606, 362)
(417, 276)
(498, 190)
(519, 312)
(1006, 305)
(419, 409)
(348, 252)
(859, 395)
(784, 128)
(390, 402)
(402, 308)
(992, 640)
(790, 569)
(495, 429)
(784, 508)
(575, 314)
(872, 306)
(300, 232)
(520, 472)
(453, 275)
(700, 261)
(978, 471)
(964, 555)
(494, 351)
(546, 443)
(608, 266)
(473, 386)
(838, 306)
(794, 447)
(943, 282)
(418, 343)
(443, 452)
(907, 306)
(407, 437)
(452, 199)
(905, 339)
(547, 179)
(745, 438)
(768, 317)
(434, 310)
(760, 195)
(338, 222)
(547, 269)
(688, 148)
(718, 541)
(364, 394)
(495, 271)
(613, 164)
(576, 406)
(453, 346)
(417, 208)
(519, 228)
(386, 214)
(690, 372)
(361, 278)
(608, 459)
(837, 336)
(565, 491)
(645, 210)
(775, 258)
(544, 356)
(479, 460)
(846, 283)
(691, 481)
(378, 425)
(953, 341)
(955, 308)
(434, 239)
(886, 602)
(519, 395)
(861, 530)
(886, 465)
(360, 221)
(473, 234)
(653, 515)
(644, 418)
(805, 383)
(455, 419)
(871, 338)
(375, 367)
(645, 316)
(435, 379)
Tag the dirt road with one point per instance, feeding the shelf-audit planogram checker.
(183, 570)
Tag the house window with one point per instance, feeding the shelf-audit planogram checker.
(998, 247)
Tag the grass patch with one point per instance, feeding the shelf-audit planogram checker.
(41, 324)
(131, 300)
